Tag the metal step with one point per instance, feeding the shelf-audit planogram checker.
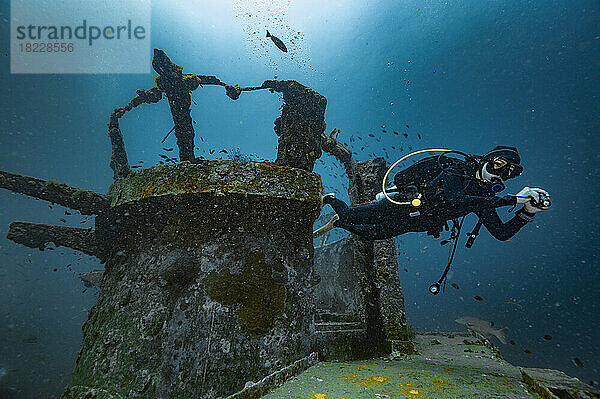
(362, 331)
(324, 316)
(334, 327)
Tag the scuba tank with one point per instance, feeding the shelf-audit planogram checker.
(415, 188)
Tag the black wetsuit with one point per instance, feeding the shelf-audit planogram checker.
(445, 196)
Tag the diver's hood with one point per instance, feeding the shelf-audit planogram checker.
(503, 162)
(509, 153)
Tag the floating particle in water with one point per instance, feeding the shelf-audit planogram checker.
(408, 127)
(527, 351)
(30, 340)
(547, 337)
(371, 135)
(478, 298)
(405, 135)
(512, 342)
(455, 286)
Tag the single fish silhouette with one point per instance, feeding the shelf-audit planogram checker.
(277, 42)
(577, 362)
(483, 327)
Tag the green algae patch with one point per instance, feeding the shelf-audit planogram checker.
(134, 373)
(217, 177)
(259, 298)
(400, 337)
(77, 194)
(78, 391)
(441, 384)
(441, 371)
(54, 183)
(412, 392)
(374, 380)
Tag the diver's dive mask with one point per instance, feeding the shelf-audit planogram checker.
(502, 167)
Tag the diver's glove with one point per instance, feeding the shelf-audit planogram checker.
(535, 194)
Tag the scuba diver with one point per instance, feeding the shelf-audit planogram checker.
(438, 189)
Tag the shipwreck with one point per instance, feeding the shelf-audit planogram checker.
(212, 287)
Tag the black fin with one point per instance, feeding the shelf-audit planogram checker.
(268, 34)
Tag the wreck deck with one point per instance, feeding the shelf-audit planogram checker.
(447, 365)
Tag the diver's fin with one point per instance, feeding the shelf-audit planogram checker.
(326, 227)
(501, 334)
(268, 34)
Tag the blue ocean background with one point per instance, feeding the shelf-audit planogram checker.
(464, 75)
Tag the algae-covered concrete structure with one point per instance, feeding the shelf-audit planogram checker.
(206, 283)
(360, 307)
(211, 286)
(208, 264)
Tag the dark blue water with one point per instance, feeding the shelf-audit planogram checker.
(464, 75)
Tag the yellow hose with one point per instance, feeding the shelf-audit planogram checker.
(400, 160)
